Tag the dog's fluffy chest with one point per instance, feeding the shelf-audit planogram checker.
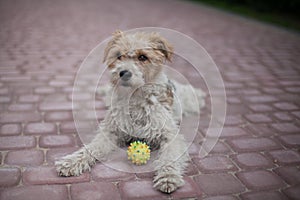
(143, 114)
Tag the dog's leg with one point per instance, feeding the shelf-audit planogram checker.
(83, 159)
(171, 164)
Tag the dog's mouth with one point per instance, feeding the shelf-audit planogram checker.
(125, 83)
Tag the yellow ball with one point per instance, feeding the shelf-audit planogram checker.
(138, 152)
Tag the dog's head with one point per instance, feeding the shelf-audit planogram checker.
(136, 59)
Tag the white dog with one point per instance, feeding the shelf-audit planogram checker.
(142, 107)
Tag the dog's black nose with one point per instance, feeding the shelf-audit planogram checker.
(125, 75)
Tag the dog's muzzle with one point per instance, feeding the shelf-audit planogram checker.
(125, 75)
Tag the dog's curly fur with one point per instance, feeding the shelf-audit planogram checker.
(142, 107)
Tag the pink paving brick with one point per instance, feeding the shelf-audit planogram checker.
(21, 107)
(55, 106)
(17, 142)
(44, 90)
(260, 108)
(47, 192)
(260, 180)
(40, 128)
(222, 197)
(291, 174)
(215, 164)
(140, 189)
(285, 156)
(55, 154)
(263, 195)
(283, 116)
(252, 160)
(234, 120)
(29, 98)
(94, 191)
(9, 176)
(58, 116)
(232, 132)
(189, 190)
(258, 118)
(219, 184)
(285, 106)
(48, 175)
(13, 117)
(67, 127)
(10, 129)
(51, 141)
(103, 173)
(253, 144)
(25, 158)
(286, 127)
(290, 140)
(260, 130)
(292, 192)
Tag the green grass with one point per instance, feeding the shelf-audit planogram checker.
(289, 21)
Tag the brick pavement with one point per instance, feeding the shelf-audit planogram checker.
(42, 46)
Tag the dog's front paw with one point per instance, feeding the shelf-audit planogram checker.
(168, 183)
(68, 167)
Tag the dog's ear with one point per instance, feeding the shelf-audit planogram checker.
(116, 35)
(163, 45)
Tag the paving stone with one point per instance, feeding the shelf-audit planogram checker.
(25, 158)
(286, 127)
(232, 132)
(48, 175)
(14, 117)
(140, 189)
(10, 176)
(189, 190)
(260, 108)
(260, 180)
(282, 116)
(40, 128)
(253, 144)
(215, 164)
(292, 192)
(10, 129)
(285, 156)
(258, 118)
(290, 140)
(219, 184)
(260, 129)
(21, 107)
(28, 98)
(68, 127)
(286, 106)
(48, 192)
(223, 197)
(55, 154)
(234, 120)
(94, 191)
(51, 141)
(263, 195)
(104, 173)
(17, 142)
(58, 116)
(291, 174)
(56, 106)
(252, 160)
(44, 90)
(261, 99)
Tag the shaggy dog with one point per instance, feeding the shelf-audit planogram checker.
(142, 107)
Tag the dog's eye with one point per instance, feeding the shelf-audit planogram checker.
(119, 57)
(142, 58)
